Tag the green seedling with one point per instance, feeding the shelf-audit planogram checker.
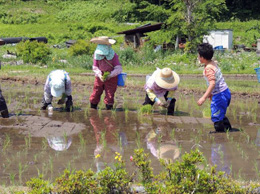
(126, 114)
(106, 73)
(12, 178)
(146, 109)
(28, 141)
(7, 142)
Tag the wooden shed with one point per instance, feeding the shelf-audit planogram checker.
(134, 35)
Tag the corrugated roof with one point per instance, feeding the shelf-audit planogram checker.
(143, 29)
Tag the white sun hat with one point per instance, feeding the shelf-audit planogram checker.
(57, 83)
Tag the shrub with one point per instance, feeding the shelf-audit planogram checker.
(39, 185)
(33, 52)
(82, 47)
(190, 174)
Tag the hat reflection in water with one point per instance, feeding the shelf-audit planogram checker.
(166, 150)
(60, 143)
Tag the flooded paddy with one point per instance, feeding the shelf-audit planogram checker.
(33, 142)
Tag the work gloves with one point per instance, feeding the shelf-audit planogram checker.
(44, 105)
(5, 113)
(68, 103)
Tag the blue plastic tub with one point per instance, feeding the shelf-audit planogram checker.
(121, 79)
(219, 47)
(257, 70)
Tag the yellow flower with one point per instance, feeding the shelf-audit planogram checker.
(97, 156)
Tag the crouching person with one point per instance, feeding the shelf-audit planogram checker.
(58, 84)
(163, 82)
(3, 106)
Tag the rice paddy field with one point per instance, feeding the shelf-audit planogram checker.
(32, 142)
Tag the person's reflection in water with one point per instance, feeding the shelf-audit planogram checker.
(60, 143)
(109, 140)
(257, 140)
(219, 156)
(161, 146)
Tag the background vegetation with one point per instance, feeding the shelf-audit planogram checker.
(63, 20)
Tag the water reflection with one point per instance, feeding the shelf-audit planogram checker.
(60, 143)
(161, 146)
(219, 155)
(257, 140)
(109, 140)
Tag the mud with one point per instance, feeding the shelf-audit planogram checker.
(31, 141)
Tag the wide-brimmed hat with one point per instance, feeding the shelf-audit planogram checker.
(59, 143)
(57, 84)
(103, 40)
(168, 152)
(167, 79)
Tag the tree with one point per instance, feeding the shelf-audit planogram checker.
(193, 19)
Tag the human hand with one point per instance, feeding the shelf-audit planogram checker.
(160, 103)
(201, 101)
(101, 78)
(167, 104)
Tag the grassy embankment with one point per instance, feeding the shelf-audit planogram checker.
(83, 20)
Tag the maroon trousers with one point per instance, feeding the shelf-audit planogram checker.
(109, 86)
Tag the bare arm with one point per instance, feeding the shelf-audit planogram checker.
(207, 93)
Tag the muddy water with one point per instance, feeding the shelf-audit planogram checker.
(33, 142)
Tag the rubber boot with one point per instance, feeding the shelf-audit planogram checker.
(227, 124)
(109, 107)
(171, 107)
(94, 106)
(219, 126)
(5, 113)
(69, 104)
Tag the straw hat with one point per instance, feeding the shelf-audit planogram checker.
(103, 40)
(59, 143)
(167, 79)
(168, 152)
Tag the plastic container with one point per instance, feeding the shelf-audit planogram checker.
(121, 79)
(219, 47)
(50, 110)
(257, 70)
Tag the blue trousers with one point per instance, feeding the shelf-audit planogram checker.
(219, 105)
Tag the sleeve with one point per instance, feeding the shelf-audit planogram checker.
(117, 66)
(151, 94)
(47, 91)
(68, 85)
(210, 74)
(95, 68)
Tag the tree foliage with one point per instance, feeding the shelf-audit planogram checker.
(194, 18)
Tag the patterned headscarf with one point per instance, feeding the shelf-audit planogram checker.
(103, 51)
